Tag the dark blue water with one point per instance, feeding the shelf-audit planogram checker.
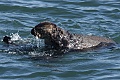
(90, 17)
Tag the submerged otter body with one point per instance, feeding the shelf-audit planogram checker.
(58, 38)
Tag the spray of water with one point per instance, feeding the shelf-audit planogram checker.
(37, 41)
(31, 46)
(15, 37)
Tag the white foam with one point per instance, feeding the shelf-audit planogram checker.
(15, 37)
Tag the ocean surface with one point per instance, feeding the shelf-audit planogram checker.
(89, 17)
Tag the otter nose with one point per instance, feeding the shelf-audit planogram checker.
(33, 32)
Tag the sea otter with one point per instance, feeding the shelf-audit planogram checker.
(57, 37)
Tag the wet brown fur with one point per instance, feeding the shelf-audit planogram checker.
(59, 38)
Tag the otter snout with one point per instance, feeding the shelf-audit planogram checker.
(33, 32)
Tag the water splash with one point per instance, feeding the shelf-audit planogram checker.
(37, 42)
(31, 46)
(15, 37)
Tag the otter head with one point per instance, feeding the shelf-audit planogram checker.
(52, 35)
(43, 30)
